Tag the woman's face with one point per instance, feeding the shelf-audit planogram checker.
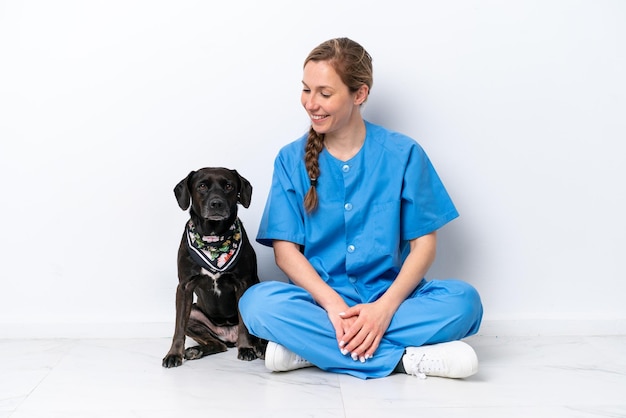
(327, 100)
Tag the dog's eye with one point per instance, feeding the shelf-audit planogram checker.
(202, 188)
(228, 187)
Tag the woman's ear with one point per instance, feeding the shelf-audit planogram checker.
(361, 95)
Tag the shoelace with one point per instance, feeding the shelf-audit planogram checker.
(424, 365)
(300, 360)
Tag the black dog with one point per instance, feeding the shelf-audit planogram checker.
(216, 262)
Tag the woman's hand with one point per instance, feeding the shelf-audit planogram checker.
(341, 324)
(363, 328)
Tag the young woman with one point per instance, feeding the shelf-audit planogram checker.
(352, 216)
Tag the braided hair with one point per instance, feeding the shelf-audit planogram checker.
(354, 66)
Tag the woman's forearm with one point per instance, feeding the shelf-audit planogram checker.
(300, 271)
(420, 258)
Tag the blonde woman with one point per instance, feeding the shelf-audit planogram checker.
(352, 216)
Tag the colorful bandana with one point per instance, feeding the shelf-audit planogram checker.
(214, 253)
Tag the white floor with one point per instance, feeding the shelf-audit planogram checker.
(518, 377)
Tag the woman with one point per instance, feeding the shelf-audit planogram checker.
(352, 216)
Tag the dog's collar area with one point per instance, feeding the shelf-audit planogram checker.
(214, 253)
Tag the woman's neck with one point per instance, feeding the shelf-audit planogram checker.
(345, 145)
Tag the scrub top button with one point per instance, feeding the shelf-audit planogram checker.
(351, 248)
(348, 206)
(345, 168)
(352, 279)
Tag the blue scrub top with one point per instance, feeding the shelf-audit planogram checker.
(369, 207)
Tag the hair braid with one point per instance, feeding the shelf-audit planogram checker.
(314, 145)
(354, 66)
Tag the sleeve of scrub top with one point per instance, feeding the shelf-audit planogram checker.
(282, 218)
(426, 205)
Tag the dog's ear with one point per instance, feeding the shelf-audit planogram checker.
(181, 191)
(245, 191)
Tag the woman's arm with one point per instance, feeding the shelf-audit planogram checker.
(421, 256)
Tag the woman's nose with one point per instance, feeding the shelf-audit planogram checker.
(309, 102)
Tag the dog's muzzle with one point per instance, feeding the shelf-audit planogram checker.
(216, 210)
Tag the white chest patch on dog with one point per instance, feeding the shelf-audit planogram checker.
(214, 276)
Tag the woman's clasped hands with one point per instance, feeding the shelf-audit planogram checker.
(360, 329)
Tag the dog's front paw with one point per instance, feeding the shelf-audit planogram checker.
(172, 360)
(246, 353)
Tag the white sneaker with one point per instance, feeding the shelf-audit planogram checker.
(279, 359)
(454, 359)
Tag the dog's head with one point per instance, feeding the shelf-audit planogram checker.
(213, 194)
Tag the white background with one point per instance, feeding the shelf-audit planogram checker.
(106, 105)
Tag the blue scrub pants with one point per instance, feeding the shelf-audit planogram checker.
(437, 311)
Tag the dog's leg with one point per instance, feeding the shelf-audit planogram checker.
(249, 347)
(184, 300)
(200, 329)
(199, 351)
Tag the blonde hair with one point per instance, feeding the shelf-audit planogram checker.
(354, 66)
